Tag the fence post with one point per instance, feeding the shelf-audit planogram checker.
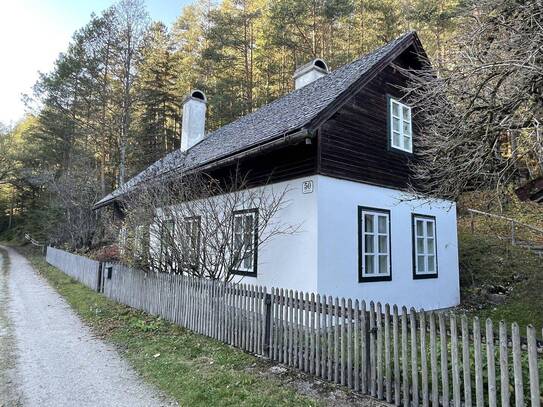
(513, 232)
(267, 326)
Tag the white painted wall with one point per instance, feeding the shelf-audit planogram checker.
(323, 256)
(338, 202)
(290, 261)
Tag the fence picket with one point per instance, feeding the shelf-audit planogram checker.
(533, 366)
(479, 395)
(405, 375)
(349, 320)
(423, 360)
(504, 366)
(379, 350)
(373, 351)
(414, 361)
(396, 345)
(356, 346)
(466, 366)
(364, 349)
(444, 360)
(455, 362)
(517, 366)
(490, 364)
(388, 367)
(433, 361)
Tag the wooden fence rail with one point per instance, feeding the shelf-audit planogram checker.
(402, 356)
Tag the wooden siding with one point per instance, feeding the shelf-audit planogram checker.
(283, 164)
(354, 141)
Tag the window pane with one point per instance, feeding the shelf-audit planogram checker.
(383, 264)
(368, 223)
(382, 224)
(383, 244)
(395, 109)
(430, 229)
(396, 139)
(238, 222)
(431, 248)
(406, 129)
(369, 264)
(369, 247)
(420, 245)
(407, 143)
(395, 124)
(431, 264)
(420, 263)
(420, 228)
(406, 113)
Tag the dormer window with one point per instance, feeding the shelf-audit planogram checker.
(401, 136)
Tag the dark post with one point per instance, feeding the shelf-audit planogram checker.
(267, 326)
(99, 282)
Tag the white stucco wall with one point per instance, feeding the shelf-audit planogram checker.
(338, 202)
(323, 255)
(290, 261)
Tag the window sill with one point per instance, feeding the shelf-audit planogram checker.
(362, 279)
(424, 276)
(244, 273)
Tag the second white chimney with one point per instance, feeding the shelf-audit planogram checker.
(309, 72)
(194, 119)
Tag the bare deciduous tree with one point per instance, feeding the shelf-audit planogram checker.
(198, 225)
(481, 116)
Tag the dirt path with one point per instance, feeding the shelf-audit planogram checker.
(56, 360)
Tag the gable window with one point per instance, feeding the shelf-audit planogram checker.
(424, 247)
(190, 241)
(401, 136)
(374, 244)
(245, 230)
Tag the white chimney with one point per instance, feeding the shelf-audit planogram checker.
(194, 119)
(309, 72)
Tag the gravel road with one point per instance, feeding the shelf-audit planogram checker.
(57, 360)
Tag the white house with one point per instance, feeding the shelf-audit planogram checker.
(341, 144)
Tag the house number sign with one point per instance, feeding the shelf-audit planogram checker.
(307, 187)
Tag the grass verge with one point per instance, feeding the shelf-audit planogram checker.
(192, 369)
(491, 268)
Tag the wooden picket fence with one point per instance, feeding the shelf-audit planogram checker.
(80, 268)
(400, 356)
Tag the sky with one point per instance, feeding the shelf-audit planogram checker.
(34, 32)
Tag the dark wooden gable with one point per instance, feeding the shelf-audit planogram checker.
(354, 142)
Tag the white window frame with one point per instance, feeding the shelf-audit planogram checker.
(403, 120)
(376, 253)
(428, 256)
(253, 252)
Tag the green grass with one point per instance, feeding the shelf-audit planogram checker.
(487, 264)
(194, 370)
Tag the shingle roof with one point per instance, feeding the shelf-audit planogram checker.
(282, 116)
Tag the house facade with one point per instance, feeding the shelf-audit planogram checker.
(340, 145)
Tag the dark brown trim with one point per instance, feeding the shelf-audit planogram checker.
(425, 276)
(253, 273)
(361, 277)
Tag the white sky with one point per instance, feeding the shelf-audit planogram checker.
(34, 32)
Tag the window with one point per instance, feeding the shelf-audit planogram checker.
(374, 244)
(190, 241)
(166, 246)
(245, 240)
(401, 136)
(424, 247)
